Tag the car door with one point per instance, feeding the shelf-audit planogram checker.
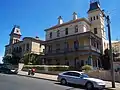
(77, 78)
(68, 76)
(72, 77)
(82, 81)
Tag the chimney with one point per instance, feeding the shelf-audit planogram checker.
(60, 20)
(37, 37)
(75, 16)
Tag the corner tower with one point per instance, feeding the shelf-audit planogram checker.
(15, 35)
(95, 16)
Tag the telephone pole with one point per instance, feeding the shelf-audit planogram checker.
(111, 54)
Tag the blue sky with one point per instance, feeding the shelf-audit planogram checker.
(33, 16)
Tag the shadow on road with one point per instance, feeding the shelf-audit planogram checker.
(72, 86)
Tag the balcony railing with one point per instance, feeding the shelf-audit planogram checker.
(95, 49)
(69, 50)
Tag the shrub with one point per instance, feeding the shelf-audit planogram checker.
(87, 67)
(49, 67)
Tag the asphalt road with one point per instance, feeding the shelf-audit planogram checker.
(14, 82)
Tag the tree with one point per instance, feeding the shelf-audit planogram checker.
(105, 60)
(26, 59)
(31, 58)
(12, 59)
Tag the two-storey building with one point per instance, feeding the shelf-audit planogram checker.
(77, 42)
(22, 47)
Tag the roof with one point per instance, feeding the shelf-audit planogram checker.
(73, 71)
(69, 22)
(94, 6)
(31, 38)
(35, 39)
(14, 43)
(16, 30)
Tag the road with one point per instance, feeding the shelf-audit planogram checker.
(15, 82)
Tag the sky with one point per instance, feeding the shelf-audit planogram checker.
(34, 16)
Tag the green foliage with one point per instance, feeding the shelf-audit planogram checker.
(50, 67)
(12, 59)
(105, 60)
(58, 68)
(31, 59)
(87, 67)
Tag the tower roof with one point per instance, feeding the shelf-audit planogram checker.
(16, 30)
(94, 4)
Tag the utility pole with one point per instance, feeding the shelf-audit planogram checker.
(111, 54)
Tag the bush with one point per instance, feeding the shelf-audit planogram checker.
(87, 67)
(48, 67)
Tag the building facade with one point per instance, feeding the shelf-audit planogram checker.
(116, 50)
(22, 47)
(77, 42)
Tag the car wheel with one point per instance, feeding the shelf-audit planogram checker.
(89, 86)
(63, 81)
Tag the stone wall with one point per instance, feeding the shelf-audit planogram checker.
(104, 75)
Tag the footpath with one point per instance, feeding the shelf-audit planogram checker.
(54, 78)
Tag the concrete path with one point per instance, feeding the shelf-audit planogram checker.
(54, 78)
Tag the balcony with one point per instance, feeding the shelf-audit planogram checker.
(95, 49)
(69, 50)
(81, 49)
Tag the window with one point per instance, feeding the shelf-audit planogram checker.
(72, 74)
(76, 28)
(14, 50)
(91, 18)
(94, 44)
(23, 47)
(97, 45)
(66, 46)
(58, 33)
(20, 49)
(50, 34)
(76, 45)
(66, 31)
(68, 73)
(50, 48)
(97, 17)
(57, 48)
(95, 30)
(17, 31)
(27, 47)
(76, 74)
(94, 17)
(17, 50)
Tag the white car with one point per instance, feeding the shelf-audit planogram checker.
(80, 78)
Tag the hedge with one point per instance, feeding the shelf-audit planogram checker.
(47, 67)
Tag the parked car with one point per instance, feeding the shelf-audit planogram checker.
(8, 69)
(80, 78)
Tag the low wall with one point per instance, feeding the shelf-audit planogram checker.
(101, 74)
(45, 72)
(105, 75)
